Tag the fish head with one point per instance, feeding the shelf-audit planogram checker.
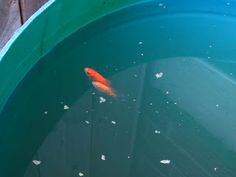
(88, 71)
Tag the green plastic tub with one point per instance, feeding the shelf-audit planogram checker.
(172, 64)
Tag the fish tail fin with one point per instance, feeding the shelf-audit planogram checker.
(114, 93)
(108, 82)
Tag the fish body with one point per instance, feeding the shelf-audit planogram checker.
(104, 88)
(96, 77)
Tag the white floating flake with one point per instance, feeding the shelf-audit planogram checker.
(140, 43)
(228, 3)
(113, 122)
(165, 161)
(93, 93)
(150, 104)
(103, 157)
(141, 54)
(159, 75)
(87, 122)
(160, 4)
(128, 157)
(157, 131)
(81, 174)
(167, 92)
(210, 46)
(134, 100)
(175, 103)
(231, 74)
(45, 112)
(66, 107)
(37, 162)
(208, 57)
(102, 100)
(61, 102)
(135, 75)
(215, 169)
(167, 102)
(217, 105)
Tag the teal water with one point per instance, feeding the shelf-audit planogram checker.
(175, 116)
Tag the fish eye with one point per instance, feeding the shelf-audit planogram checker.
(88, 72)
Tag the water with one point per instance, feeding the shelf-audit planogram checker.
(175, 74)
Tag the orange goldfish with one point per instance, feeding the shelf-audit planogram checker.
(104, 88)
(95, 76)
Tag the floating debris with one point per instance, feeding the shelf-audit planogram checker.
(45, 112)
(140, 43)
(141, 54)
(66, 107)
(87, 122)
(175, 103)
(159, 75)
(113, 122)
(37, 162)
(135, 75)
(128, 157)
(134, 100)
(217, 105)
(215, 169)
(165, 161)
(150, 104)
(210, 46)
(102, 100)
(93, 93)
(167, 92)
(81, 174)
(103, 157)
(160, 4)
(62, 102)
(228, 3)
(157, 132)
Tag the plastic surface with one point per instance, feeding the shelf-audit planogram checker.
(180, 124)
